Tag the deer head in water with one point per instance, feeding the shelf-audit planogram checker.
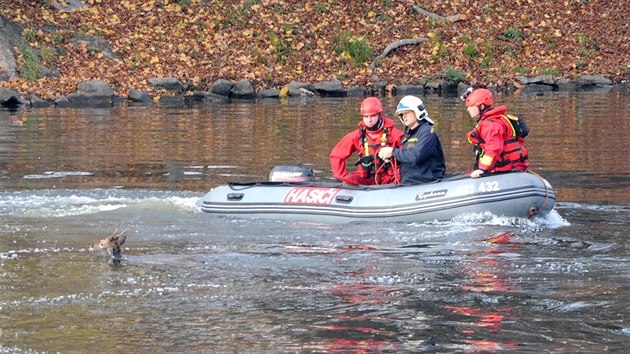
(110, 244)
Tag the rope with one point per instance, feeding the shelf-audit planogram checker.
(544, 184)
(394, 166)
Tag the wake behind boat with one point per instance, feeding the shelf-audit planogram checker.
(513, 194)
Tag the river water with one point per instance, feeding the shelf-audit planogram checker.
(191, 282)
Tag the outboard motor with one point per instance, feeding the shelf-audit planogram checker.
(291, 174)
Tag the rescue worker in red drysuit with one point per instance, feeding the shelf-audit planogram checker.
(375, 131)
(497, 146)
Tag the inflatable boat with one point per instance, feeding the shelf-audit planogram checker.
(293, 197)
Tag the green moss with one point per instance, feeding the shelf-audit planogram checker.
(29, 35)
(58, 37)
(549, 71)
(513, 33)
(453, 76)
(579, 64)
(433, 22)
(49, 56)
(321, 9)
(521, 70)
(354, 47)
(485, 63)
(470, 51)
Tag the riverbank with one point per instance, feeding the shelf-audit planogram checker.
(99, 93)
(195, 51)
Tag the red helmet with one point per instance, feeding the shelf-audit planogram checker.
(371, 106)
(479, 97)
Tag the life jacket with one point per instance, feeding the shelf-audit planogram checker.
(513, 146)
(370, 162)
(518, 124)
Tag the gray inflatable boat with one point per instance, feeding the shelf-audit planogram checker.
(513, 194)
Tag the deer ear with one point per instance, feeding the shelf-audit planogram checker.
(121, 240)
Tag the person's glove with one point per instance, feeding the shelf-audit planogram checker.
(386, 152)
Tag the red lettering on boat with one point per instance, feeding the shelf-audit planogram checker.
(311, 195)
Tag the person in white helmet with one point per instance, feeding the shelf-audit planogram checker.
(420, 157)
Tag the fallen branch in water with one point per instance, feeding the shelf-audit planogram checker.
(394, 45)
(429, 14)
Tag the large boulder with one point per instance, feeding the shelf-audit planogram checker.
(62, 102)
(379, 87)
(167, 83)
(37, 102)
(95, 88)
(139, 97)
(243, 89)
(221, 87)
(8, 66)
(404, 90)
(94, 93)
(269, 93)
(434, 86)
(295, 88)
(565, 84)
(332, 88)
(542, 80)
(97, 44)
(10, 36)
(522, 80)
(355, 91)
(593, 82)
(10, 98)
(205, 97)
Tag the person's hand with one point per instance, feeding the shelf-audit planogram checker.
(476, 173)
(385, 152)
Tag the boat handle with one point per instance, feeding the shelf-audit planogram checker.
(235, 196)
(346, 199)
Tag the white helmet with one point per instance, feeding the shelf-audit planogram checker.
(413, 103)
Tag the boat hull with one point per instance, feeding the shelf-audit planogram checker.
(515, 194)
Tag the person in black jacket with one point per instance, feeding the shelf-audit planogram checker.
(420, 157)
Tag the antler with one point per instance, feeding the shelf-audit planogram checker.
(119, 237)
(117, 234)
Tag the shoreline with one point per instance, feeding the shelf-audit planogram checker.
(174, 93)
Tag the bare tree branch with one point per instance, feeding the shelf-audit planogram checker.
(394, 45)
(426, 13)
(414, 41)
